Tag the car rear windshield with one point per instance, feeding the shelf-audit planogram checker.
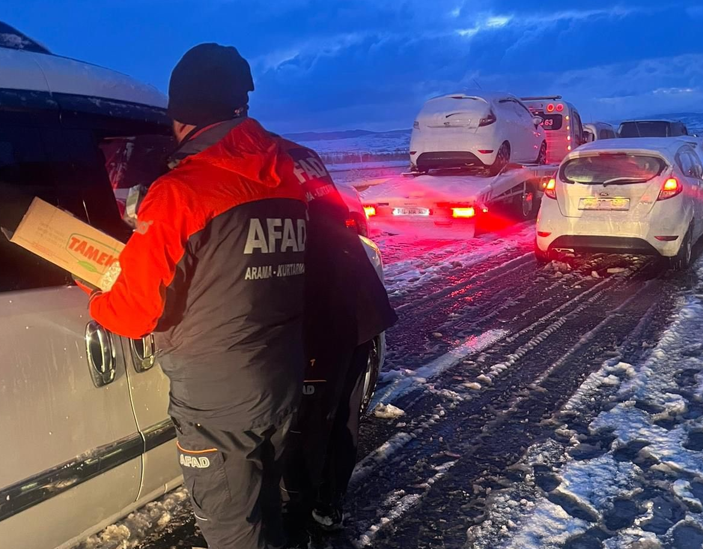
(552, 121)
(645, 129)
(623, 168)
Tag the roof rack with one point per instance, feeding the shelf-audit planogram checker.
(11, 38)
(549, 97)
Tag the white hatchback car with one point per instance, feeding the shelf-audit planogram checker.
(484, 129)
(640, 196)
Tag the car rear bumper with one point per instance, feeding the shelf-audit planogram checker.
(448, 159)
(554, 231)
(607, 244)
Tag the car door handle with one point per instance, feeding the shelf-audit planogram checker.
(101, 354)
(143, 353)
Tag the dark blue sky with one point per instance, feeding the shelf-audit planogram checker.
(335, 64)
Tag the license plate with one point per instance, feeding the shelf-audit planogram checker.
(608, 204)
(411, 211)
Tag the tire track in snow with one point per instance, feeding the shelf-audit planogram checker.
(509, 425)
(463, 422)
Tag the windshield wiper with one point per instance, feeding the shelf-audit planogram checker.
(624, 180)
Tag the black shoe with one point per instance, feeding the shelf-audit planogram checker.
(328, 517)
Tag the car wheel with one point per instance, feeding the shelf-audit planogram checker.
(525, 205)
(682, 260)
(502, 159)
(542, 156)
(542, 257)
(373, 368)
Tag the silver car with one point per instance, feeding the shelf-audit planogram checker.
(83, 413)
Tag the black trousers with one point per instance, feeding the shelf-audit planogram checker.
(233, 478)
(323, 441)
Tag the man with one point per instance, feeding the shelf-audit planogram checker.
(216, 270)
(346, 307)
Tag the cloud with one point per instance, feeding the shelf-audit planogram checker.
(308, 51)
(695, 11)
(378, 73)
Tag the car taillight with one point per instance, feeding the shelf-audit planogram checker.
(560, 107)
(370, 211)
(550, 107)
(487, 120)
(670, 188)
(463, 212)
(550, 189)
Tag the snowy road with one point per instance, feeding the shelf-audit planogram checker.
(503, 369)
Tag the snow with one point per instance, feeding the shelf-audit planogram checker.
(430, 188)
(334, 168)
(135, 528)
(360, 146)
(367, 465)
(438, 265)
(651, 412)
(412, 380)
(547, 526)
(35, 71)
(388, 411)
(398, 504)
(595, 483)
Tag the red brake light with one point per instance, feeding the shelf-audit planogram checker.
(488, 120)
(463, 212)
(670, 188)
(550, 107)
(370, 211)
(550, 189)
(560, 107)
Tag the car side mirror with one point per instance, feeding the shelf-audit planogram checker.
(537, 120)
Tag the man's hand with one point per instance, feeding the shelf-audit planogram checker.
(87, 287)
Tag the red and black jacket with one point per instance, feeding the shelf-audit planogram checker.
(216, 269)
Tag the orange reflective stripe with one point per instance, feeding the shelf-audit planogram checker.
(208, 451)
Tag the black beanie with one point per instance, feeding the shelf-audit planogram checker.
(208, 85)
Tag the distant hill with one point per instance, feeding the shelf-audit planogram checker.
(357, 146)
(345, 134)
(363, 146)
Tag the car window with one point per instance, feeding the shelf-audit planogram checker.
(645, 129)
(523, 111)
(505, 107)
(134, 161)
(697, 165)
(61, 167)
(602, 168)
(552, 122)
(690, 165)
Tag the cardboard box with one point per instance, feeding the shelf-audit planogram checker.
(70, 243)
